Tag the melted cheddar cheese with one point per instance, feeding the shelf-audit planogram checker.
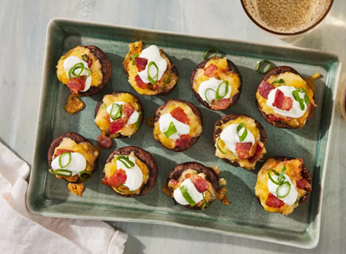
(296, 81)
(86, 149)
(102, 118)
(167, 81)
(251, 126)
(195, 123)
(224, 74)
(293, 171)
(111, 167)
(79, 51)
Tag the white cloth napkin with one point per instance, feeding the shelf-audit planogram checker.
(25, 233)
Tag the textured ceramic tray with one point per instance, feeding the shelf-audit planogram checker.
(245, 217)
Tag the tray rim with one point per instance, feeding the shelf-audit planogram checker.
(305, 245)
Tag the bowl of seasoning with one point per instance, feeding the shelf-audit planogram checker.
(287, 17)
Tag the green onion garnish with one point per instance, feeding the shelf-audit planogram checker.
(281, 177)
(280, 81)
(244, 134)
(88, 75)
(219, 147)
(206, 94)
(116, 111)
(83, 178)
(280, 186)
(301, 101)
(153, 80)
(219, 95)
(205, 55)
(187, 196)
(306, 97)
(265, 63)
(133, 59)
(69, 159)
(85, 57)
(104, 106)
(270, 177)
(126, 161)
(138, 120)
(60, 172)
(171, 130)
(74, 68)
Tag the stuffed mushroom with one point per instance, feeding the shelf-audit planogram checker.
(216, 83)
(119, 114)
(239, 140)
(85, 70)
(283, 184)
(285, 99)
(149, 70)
(177, 125)
(130, 171)
(73, 158)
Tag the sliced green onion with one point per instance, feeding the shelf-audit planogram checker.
(261, 63)
(281, 177)
(83, 178)
(119, 189)
(85, 57)
(69, 159)
(171, 130)
(187, 196)
(133, 59)
(104, 106)
(206, 94)
(205, 55)
(296, 96)
(219, 147)
(59, 172)
(153, 80)
(167, 80)
(306, 97)
(88, 75)
(217, 93)
(138, 120)
(244, 134)
(116, 111)
(74, 68)
(280, 81)
(270, 177)
(289, 189)
(125, 160)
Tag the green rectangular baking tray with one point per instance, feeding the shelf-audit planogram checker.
(244, 217)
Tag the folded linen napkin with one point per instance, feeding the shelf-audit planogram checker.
(23, 233)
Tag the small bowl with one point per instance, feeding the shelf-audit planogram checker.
(320, 13)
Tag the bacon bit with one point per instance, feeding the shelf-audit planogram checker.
(140, 82)
(264, 89)
(179, 114)
(61, 151)
(221, 104)
(221, 194)
(211, 71)
(243, 149)
(76, 84)
(90, 62)
(273, 201)
(257, 153)
(183, 141)
(76, 188)
(273, 118)
(128, 109)
(155, 87)
(303, 184)
(173, 182)
(116, 126)
(73, 104)
(282, 102)
(141, 63)
(216, 169)
(200, 183)
(119, 177)
(104, 141)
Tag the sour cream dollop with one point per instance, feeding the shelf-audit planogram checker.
(212, 83)
(133, 118)
(152, 53)
(291, 198)
(295, 111)
(72, 61)
(181, 128)
(134, 175)
(191, 189)
(230, 137)
(77, 163)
